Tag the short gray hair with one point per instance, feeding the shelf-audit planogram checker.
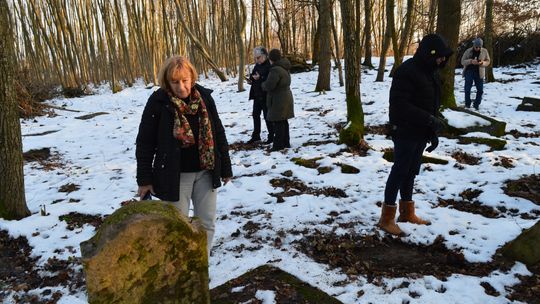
(260, 50)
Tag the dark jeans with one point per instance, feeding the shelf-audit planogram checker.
(407, 160)
(259, 105)
(470, 77)
(281, 136)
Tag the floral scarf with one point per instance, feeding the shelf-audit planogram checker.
(182, 130)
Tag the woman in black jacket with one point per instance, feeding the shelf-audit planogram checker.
(414, 106)
(182, 151)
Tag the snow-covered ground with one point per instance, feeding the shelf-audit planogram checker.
(98, 155)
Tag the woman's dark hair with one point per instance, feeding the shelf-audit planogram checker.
(274, 55)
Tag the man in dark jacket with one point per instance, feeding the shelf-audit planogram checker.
(256, 93)
(414, 116)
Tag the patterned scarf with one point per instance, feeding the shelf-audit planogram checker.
(182, 130)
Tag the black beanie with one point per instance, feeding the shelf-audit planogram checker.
(435, 46)
(274, 55)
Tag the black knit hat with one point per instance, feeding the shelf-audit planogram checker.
(435, 46)
(274, 55)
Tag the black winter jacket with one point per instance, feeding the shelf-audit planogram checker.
(256, 90)
(158, 152)
(415, 94)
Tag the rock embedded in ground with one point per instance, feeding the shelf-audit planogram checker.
(525, 248)
(147, 252)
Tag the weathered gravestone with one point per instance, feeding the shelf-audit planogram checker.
(147, 252)
(493, 127)
(526, 247)
(531, 104)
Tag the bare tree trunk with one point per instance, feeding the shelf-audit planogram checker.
(404, 39)
(12, 197)
(337, 58)
(388, 33)
(200, 47)
(488, 39)
(325, 54)
(368, 8)
(448, 21)
(239, 10)
(353, 133)
(432, 16)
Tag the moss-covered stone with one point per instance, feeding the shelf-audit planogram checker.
(495, 128)
(348, 169)
(529, 104)
(288, 288)
(494, 143)
(147, 252)
(389, 156)
(525, 248)
(308, 163)
(324, 170)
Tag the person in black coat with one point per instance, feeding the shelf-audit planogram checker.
(181, 149)
(414, 117)
(256, 78)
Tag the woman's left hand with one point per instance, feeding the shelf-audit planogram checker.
(225, 180)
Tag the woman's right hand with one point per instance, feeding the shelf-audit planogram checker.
(141, 192)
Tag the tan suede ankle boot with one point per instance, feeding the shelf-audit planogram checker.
(407, 213)
(387, 221)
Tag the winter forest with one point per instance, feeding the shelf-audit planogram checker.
(300, 151)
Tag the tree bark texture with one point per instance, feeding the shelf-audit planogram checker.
(488, 39)
(448, 21)
(12, 197)
(325, 46)
(353, 133)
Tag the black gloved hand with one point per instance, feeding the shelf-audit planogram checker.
(434, 143)
(436, 124)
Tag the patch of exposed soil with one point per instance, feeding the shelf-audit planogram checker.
(470, 207)
(47, 160)
(527, 187)
(293, 187)
(78, 220)
(286, 287)
(319, 142)
(376, 257)
(528, 290)
(90, 116)
(465, 158)
(518, 134)
(69, 187)
(470, 194)
(242, 146)
(377, 129)
(505, 162)
(19, 273)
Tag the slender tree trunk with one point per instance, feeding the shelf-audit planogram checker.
(353, 133)
(404, 39)
(448, 21)
(368, 8)
(12, 197)
(388, 33)
(239, 11)
(488, 39)
(432, 16)
(325, 54)
(337, 58)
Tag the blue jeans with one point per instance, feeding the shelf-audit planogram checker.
(470, 77)
(407, 161)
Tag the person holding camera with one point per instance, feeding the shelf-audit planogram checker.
(415, 96)
(474, 61)
(255, 79)
(181, 148)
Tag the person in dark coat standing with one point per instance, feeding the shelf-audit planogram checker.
(256, 78)
(414, 116)
(182, 151)
(279, 98)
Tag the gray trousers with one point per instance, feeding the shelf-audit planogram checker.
(197, 187)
